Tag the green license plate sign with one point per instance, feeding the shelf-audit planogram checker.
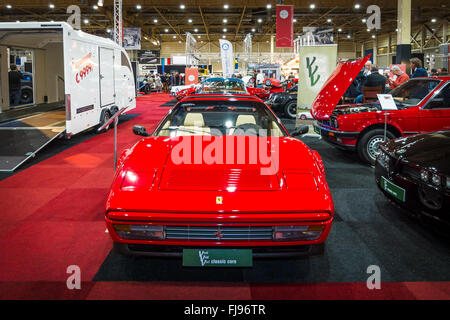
(217, 258)
(393, 189)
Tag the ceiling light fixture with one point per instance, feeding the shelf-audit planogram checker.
(224, 29)
(433, 20)
(100, 3)
(51, 6)
(166, 30)
(190, 20)
(95, 7)
(339, 30)
(259, 20)
(138, 6)
(328, 20)
(225, 20)
(195, 30)
(364, 20)
(357, 6)
(253, 30)
(8, 6)
(182, 6)
(155, 20)
(86, 21)
(312, 6)
(225, 6)
(269, 6)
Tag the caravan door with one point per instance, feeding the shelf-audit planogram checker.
(107, 90)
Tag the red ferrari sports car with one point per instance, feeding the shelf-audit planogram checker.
(218, 182)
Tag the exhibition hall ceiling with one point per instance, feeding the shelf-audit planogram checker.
(168, 20)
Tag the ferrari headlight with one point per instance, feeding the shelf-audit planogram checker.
(424, 176)
(297, 233)
(139, 231)
(436, 180)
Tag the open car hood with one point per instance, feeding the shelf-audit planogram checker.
(335, 87)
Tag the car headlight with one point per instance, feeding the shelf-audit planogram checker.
(139, 231)
(383, 159)
(297, 233)
(424, 176)
(447, 183)
(436, 180)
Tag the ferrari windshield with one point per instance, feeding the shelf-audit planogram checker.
(413, 91)
(221, 85)
(219, 118)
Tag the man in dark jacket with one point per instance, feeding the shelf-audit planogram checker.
(15, 84)
(416, 68)
(374, 79)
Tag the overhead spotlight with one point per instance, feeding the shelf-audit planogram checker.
(174, 37)
(225, 20)
(100, 3)
(224, 36)
(52, 21)
(225, 6)
(155, 20)
(166, 30)
(328, 20)
(190, 20)
(373, 36)
(108, 30)
(349, 36)
(224, 29)
(259, 20)
(86, 21)
(182, 6)
(8, 6)
(269, 6)
(179, 41)
(17, 21)
(198, 37)
(95, 7)
(51, 6)
(195, 30)
(433, 20)
(339, 30)
(368, 30)
(357, 6)
(253, 30)
(312, 6)
(138, 6)
(364, 20)
(295, 20)
(396, 30)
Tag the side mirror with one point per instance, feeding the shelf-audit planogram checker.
(140, 131)
(298, 131)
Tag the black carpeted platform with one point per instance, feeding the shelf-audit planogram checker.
(368, 230)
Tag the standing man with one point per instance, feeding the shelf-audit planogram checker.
(400, 77)
(15, 92)
(416, 68)
(367, 68)
(259, 80)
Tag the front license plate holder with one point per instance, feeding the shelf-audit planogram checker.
(217, 258)
(317, 130)
(393, 189)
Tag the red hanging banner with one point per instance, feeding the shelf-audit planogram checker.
(285, 26)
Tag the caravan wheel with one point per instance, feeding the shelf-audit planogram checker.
(106, 117)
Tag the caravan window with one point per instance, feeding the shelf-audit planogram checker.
(125, 62)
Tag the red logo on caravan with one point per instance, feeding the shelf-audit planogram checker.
(85, 70)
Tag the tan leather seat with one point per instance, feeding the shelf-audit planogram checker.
(194, 125)
(245, 118)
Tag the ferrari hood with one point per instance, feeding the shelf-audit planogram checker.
(335, 87)
(158, 176)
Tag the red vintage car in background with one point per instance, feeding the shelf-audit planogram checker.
(212, 82)
(159, 205)
(423, 106)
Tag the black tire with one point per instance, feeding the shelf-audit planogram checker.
(367, 146)
(290, 109)
(303, 117)
(26, 96)
(268, 82)
(105, 119)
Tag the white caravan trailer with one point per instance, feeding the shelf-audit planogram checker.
(79, 81)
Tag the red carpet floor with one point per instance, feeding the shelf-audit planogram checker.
(52, 217)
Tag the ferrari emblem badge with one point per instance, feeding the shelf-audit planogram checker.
(219, 200)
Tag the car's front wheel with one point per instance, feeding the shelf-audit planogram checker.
(290, 109)
(368, 145)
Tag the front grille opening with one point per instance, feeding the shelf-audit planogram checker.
(219, 233)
